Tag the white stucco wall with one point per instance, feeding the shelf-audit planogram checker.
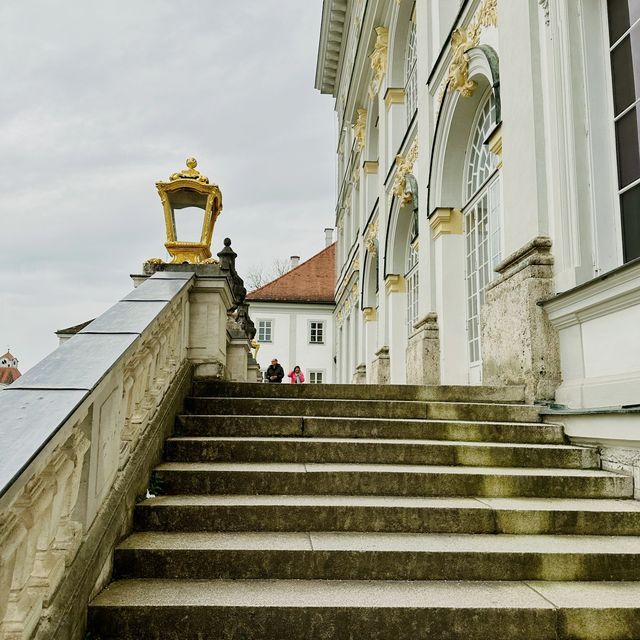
(290, 337)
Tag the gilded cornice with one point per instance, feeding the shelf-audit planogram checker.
(462, 40)
(393, 96)
(370, 314)
(370, 166)
(446, 221)
(404, 166)
(379, 60)
(394, 283)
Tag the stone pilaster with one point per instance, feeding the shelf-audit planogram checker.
(519, 345)
(381, 367)
(423, 352)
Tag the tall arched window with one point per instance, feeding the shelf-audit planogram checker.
(624, 31)
(482, 214)
(411, 77)
(411, 277)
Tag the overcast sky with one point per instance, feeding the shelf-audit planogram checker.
(99, 100)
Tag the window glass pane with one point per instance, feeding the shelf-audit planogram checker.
(628, 147)
(625, 69)
(622, 14)
(630, 205)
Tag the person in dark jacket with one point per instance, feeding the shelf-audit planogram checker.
(275, 372)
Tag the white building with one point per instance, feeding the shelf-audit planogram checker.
(293, 316)
(488, 205)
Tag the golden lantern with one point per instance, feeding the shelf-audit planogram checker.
(189, 188)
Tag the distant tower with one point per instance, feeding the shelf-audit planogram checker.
(8, 369)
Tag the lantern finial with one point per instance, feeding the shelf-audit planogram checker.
(189, 189)
(190, 173)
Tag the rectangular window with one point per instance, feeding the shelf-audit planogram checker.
(316, 377)
(265, 330)
(624, 41)
(316, 332)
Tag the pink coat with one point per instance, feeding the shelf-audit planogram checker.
(292, 377)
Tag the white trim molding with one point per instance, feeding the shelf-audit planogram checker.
(598, 325)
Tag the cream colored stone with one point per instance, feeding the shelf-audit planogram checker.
(423, 352)
(519, 344)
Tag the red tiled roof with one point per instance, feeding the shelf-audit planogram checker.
(8, 374)
(312, 281)
(8, 356)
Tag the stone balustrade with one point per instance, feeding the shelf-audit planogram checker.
(80, 432)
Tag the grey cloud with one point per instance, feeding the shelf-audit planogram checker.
(100, 100)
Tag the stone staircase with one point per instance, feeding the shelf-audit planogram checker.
(351, 512)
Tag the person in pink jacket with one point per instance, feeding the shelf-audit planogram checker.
(296, 376)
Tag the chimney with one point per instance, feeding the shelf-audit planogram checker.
(295, 261)
(328, 236)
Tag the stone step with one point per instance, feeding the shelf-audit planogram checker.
(533, 516)
(444, 393)
(485, 412)
(376, 556)
(466, 431)
(371, 610)
(386, 479)
(381, 451)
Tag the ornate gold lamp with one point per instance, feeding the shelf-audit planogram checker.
(189, 188)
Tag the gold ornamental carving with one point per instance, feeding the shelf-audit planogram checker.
(188, 188)
(462, 40)
(371, 238)
(356, 262)
(360, 128)
(379, 60)
(404, 166)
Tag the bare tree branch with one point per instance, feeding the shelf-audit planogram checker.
(258, 275)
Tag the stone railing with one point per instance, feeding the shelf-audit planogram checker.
(81, 431)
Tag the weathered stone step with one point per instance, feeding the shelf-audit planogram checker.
(444, 393)
(364, 409)
(381, 451)
(389, 514)
(376, 556)
(371, 610)
(466, 431)
(385, 479)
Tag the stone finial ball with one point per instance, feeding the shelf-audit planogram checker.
(227, 242)
(192, 163)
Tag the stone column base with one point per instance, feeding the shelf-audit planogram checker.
(381, 367)
(423, 352)
(519, 345)
(360, 376)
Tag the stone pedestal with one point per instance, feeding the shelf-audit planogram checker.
(360, 376)
(237, 359)
(519, 345)
(253, 370)
(381, 367)
(423, 352)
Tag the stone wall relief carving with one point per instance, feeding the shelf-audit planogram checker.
(404, 166)
(372, 237)
(360, 128)
(462, 40)
(379, 60)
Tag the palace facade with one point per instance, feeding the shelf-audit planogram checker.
(488, 206)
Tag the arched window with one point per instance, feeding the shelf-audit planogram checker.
(482, 214)
(411, 77)
(411, 278)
